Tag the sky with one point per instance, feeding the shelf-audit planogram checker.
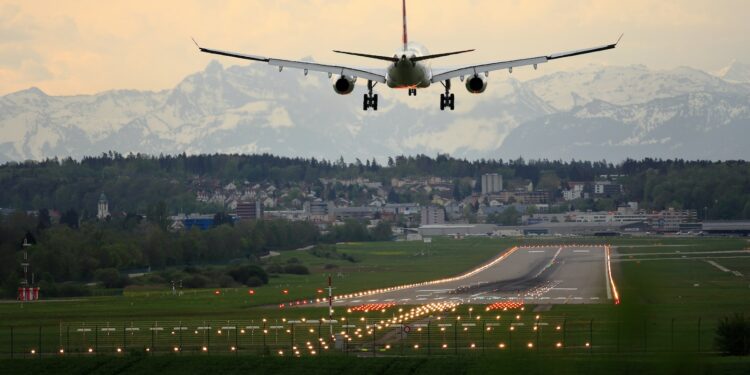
(84, 47)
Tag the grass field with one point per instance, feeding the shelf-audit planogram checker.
(662, 302)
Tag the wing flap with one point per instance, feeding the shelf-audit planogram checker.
(331, 69)
(485, 68)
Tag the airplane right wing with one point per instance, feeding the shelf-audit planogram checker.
(303, 65)
(486, 68)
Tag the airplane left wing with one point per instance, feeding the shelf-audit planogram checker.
(302, 65)
(486, 68)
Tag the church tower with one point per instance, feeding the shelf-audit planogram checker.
(102, 208)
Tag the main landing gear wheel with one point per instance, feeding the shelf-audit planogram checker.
(447, 100)
(370, 100)
(413, 92)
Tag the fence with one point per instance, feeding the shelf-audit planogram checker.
(437, 335)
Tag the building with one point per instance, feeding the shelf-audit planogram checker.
(319, 210)
(492, 183)
(457, 230)
(607, 188)
(102, 208)
(187, 222)
(432, 215)
(524, 196)
(356, 213)
(252, 210)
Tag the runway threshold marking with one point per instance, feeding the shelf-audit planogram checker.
(717, 265)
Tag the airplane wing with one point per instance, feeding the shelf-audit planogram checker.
(306, 66)
(486, 68)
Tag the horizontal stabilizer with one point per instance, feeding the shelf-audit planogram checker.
(377, 57)
(435, 56)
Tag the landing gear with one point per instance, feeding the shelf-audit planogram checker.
(447, 100)
(370, 99)
(412, 92)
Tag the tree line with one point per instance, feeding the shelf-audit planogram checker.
(138, 183)
(78, 251)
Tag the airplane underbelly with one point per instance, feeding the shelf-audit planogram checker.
(408, 77)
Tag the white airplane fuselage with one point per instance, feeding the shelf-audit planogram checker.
(406, 74)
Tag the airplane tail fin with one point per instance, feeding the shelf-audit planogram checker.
(405, 36)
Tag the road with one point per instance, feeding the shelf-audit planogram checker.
(537, 275)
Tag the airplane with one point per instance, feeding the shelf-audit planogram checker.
(408, 69)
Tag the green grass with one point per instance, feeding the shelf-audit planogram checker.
(659, 312)
(526, 364)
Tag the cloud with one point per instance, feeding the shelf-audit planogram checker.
(475, 134)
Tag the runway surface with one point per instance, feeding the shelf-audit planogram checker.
(533, 275)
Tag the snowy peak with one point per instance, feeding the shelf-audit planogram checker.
(254, 108)
(735, 72)
(625, 85)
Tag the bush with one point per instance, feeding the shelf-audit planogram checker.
(296, 269)
(733, 335)
(225, 281)
(243, 273)
(292, 260)
(53, 290)
(254, 281)
(330, 266)
(275, 268)
(195, 281)
(110, 278)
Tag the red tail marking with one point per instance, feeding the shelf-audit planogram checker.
(405, 38)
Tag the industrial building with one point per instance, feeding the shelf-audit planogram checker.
(492, 183)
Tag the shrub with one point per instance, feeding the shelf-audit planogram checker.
(225, 281)
(296, 269)
(733, 335)
(254, 281)
(110, 278)
(195, 281)
(275, 268)
(330, 266)
(241, 274)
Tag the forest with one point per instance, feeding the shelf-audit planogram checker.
(138, 183)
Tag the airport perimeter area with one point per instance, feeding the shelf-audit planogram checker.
(632, 298)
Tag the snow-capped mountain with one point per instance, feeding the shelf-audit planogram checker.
(592, 113)
(735, 72)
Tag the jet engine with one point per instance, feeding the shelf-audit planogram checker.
(476, 84)
(344, 85)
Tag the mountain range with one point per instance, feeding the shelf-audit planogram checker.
(593, 113)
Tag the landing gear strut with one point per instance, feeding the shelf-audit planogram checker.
(447, 100)
(370, 99)
(412, 92)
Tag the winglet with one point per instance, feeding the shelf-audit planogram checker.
(618, 39)
(196, 43)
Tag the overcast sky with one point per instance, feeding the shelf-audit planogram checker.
(82, 47)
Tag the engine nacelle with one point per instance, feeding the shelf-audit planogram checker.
(476, 84)
(344, 85)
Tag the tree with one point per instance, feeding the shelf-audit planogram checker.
(221, 218)
(733, 335)
(110, 278)
(44, 220)
(70, 218)
(382, 231)
(157, 214)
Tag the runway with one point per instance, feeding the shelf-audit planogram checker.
(533, 275)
